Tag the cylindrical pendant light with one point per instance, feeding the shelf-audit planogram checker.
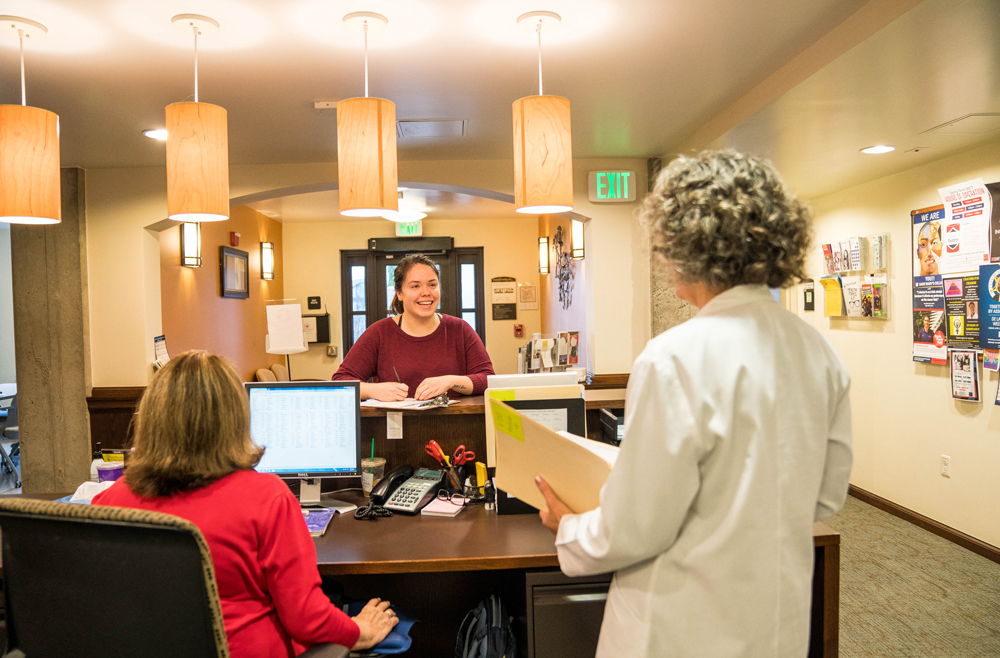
(197, 147)
(29, 150)
(366, 143)
(543, 140)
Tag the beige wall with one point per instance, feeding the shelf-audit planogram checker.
(123, 258)
(904, 416)
(194, 313)
(7, 370)
(312, 267)
(555, 318)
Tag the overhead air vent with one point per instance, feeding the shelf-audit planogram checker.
(406, 128)
(971, 124)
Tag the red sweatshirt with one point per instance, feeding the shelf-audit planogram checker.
(265, 562)
(451, 349)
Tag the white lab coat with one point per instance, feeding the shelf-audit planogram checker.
(737, 437)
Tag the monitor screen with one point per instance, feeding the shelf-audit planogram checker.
(308, 429)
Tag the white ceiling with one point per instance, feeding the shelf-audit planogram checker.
(937, 62)
(641, 74)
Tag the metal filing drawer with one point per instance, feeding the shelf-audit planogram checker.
(564, 614)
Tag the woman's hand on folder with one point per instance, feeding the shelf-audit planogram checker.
(556, 507)
(375, 620)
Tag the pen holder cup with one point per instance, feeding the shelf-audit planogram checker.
(372, 471)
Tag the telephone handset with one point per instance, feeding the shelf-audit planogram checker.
(390, 482)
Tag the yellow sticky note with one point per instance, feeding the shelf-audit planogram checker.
(503, 396)
(508, 422)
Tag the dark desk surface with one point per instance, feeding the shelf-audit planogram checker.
(475, 540)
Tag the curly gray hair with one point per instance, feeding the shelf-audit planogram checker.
(725, 219)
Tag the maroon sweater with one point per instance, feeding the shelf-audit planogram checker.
(452, 349)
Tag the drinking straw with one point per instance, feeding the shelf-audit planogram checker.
(373, 448)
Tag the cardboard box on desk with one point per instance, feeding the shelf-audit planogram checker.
(576, 468)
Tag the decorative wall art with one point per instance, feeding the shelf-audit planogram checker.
(565, 269)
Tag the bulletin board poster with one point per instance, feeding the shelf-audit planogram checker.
(968, 208)
(961, 301)
(964, 375)
(928, 244)
(930, 344)
(994, 190)
(989, 306)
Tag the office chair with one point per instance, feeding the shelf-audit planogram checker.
(86, 581)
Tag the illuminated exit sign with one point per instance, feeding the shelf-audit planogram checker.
(410, 228)
(611, 186)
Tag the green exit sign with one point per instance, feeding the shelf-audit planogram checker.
(410, 228)
(612, 186)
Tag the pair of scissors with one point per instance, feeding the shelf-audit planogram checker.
(463, 456)
(435, 451)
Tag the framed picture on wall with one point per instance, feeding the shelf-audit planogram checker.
(234, 272)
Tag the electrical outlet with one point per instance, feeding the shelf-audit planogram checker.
(946, 466)
(331, 350)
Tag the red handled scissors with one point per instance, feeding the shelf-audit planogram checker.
(463, 456)
(435, 451)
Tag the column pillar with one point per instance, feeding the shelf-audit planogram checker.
(52, 344)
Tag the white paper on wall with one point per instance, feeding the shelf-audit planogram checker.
(284, 329)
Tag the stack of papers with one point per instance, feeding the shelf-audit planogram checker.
(317, 520)
(442, 508)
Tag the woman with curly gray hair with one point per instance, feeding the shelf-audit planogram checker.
(737, 435)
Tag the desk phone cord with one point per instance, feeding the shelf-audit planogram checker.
(371, 511)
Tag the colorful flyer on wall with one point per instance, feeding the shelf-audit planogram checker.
(927, 240)
(991, 360)
(866, 299)
(989, 306)
(852, 295)
(845, 256)
(964, 375)
(833, 297)
(880, 295)
(961, 302)
(994, 190)
(828, 259)
(929, 342)
(968, 208)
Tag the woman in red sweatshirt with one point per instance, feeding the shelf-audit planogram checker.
(194, 459)
(418, 352)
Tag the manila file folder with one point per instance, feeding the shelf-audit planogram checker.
(576, 469)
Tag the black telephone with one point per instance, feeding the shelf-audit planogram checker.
(390, 482)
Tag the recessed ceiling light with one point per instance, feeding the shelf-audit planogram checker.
(881, 148)
(158, 133)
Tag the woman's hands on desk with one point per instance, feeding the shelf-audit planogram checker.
(375, 621)
(385, 392)
(435, 386)
(556, 507)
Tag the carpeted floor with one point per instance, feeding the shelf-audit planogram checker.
(906, 593)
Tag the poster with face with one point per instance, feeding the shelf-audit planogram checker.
(961, 301)
(964, 375)
(927, 240)
(930, 344)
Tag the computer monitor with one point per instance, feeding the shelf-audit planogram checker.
(310, 430)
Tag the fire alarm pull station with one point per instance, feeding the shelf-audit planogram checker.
(518, 331)
(234, 239)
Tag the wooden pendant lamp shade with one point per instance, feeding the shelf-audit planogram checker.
(366, 157)
(197, 162)
(543, 155)
(29, 166)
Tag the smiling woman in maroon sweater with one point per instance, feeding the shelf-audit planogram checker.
(431, 353)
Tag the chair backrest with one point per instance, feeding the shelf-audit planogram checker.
(280, 371)
(87, 581)
(265, 375)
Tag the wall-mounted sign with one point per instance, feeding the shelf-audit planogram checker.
(410, 228)
(611, 186)
(504, 298)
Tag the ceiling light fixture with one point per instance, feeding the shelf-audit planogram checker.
(29, 149)
(197, 146)
(366, 142)
(543, 140)
(156, 133)
(875, 150)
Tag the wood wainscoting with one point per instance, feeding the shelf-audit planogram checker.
(111, 410)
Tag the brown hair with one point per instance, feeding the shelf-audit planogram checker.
(726, 219)
(192, 428)
(402, 269)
